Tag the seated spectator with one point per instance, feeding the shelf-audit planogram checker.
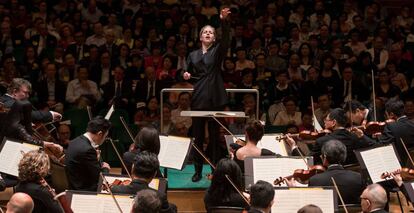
(261, 197)
(373, 199)
(290, 115)
(242, 62)
(384, 89)
(397, 79)
(324, 108)
(221, 192)
(279, 88)
(147, 113)
(146, 201)
(184, 101)
(167, 123)
(20, 203)
(82, 91)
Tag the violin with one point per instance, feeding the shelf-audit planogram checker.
(374, 127)
(118, 182)
(61, 198)
(305, 135)
(301, 175)
(406, 174)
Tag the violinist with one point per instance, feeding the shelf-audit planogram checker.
(145, 168)
(147, 139)
(33, 167)
(20, 202)
(221, 192)
(261, 197)
(19, 119)
(374, 199)
(350, 183)
(360, 114)
(82, 160)
(254, 132)
(402, 128)
(336, 121)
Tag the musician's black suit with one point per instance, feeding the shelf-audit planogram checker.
(36, 115)
(42, 198)
(350, 183)
(82, 165)
(393, 132)
(350, 140)
(138, 185)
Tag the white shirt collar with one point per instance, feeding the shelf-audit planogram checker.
(93, 144)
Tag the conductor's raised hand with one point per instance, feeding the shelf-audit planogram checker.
(224, 13)
(186, 75)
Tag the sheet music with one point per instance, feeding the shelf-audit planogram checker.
(380, 160)
(269, 169)
(173, 151)
(269, 142)
(291, 200)
(154, 184)
(11, 154)
(108, 115)
(84, 203)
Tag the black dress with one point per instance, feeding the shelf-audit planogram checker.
(42, 198)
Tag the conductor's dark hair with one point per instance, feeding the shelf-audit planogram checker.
(354, 106)
(220, 188)
(395, 106)
(146, 201)
(261, 194)
(339, 116)
(310, 208)
(148, 139)
(254, 130)
(146, 165)
(98, 124)
(334, 151)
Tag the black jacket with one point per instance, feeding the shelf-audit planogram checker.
(82, 165)
(43, 91)
(350, 140)
(138, 185)
(42, 198)
(393, 132)
(209, 91)
(350, 184)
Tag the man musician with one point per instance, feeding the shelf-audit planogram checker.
(18, 119)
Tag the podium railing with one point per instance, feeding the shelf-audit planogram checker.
(191, 90)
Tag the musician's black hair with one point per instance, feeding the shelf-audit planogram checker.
(220, 188)
(334, 151)
(339, 116)
(395, 106)
(354, 106)
(261, 194)
(147, 201)
(148, 139)
(254, 130)
(146, 165)
(97, 124)
(310, 208)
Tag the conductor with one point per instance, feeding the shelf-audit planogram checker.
(204, 66)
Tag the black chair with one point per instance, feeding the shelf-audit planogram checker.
(225, 209)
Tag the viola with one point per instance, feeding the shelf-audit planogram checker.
(376, 127)
(61, 198)
(406, 174)
(301, 175)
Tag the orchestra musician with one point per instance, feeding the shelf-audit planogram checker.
(261, 197)
(20, 203)
(350, 183)
(147, 139)
(20, 116)
(33, 168)
(373, 199)
(336, 121)
(360, 114)
(401, 129)
(204, 65)
(254, 132)
(145, 167)
(146, 200)
(82, 160)
(221, 192)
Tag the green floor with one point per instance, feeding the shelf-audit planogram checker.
(182, 179)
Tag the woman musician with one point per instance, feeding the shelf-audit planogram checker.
(33, 168)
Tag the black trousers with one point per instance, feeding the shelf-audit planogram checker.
(213, 151)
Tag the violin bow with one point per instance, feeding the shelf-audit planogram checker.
(127, 128)
(120, 158)
(373, 94)
(110, 192)
(350, 114)
(406, 150)
(224, 127)
(89, 110)
(212, 166)
(339, 194)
